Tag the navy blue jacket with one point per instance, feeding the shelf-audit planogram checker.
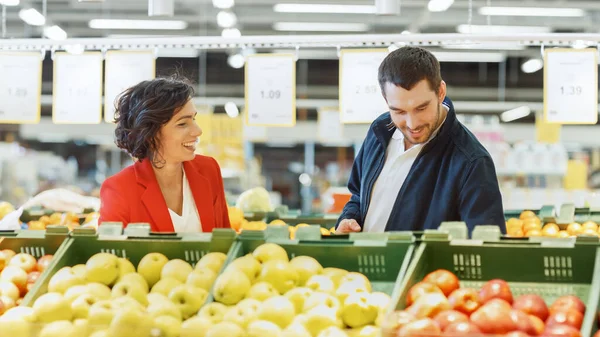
(452, 179)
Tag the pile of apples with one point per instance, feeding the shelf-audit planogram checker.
(529, 225)
(437, 305)
(265, 294)
(18, 273)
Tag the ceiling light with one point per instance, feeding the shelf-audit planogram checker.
(226, 19)
(320, 27)
(55, 33)
(324, 8)
(9, 2)
(514, 114)
(32, 17)
(469, 57)
(137, 24)
(531, 11)
(486, 46)
(231, 33)
(532, 65)
(236, 61)
(223, 4)
(231, 110)
(493, 29)
(439, 5)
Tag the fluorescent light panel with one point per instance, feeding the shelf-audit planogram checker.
(55, 33)
(485, 46)
(492, 29)
(439, 5)
(137, 24)
(32, 17)
(320, 27)
(324, 8)
(469, 57)
(532, 11)
(514, 114)
(10, 2)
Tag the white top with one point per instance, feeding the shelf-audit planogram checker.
(398, 162)
(189, 220)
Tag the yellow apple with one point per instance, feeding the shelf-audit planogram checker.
(169, 326)
(263, 328)
(358, 311)
(242, 315)
(336, 274)
(202, 278)
(14, 327)
(125, 267)
(15, 275)
(380, 300)
(225, 329)
(150, 267)
(249, 303)
(261, 291)
(64, 279)
(332, 331)
(20, 313)
(348, 288)
(128, 323)
(99, 290)
(132, 289)
(306, 266)
(319, 319)
(73, 292)
(101, 314)
(52, 307)
(10, 290)
(248, 265)
(295, 330)
(320, 299)
(24, 261)
(195, 327)
(231, 287)
(156, 298)
(101, 333)
(278, 310)
(213, 261)
(280, 274)
(357, 278)
(79, 269)
(188, 299)
(270, 252)
(163, 307)
(214, 311)
(102, 268)
(82, 327)
(59, 329)
(82, 304)
(165, 286)
(126, 303)
(136, 278)
(365, 331)
(321, 283)
(297, 296)
(177, 269)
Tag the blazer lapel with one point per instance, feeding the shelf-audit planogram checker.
(200, 187)
(152, 198)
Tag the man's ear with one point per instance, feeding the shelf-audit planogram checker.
(442, 91)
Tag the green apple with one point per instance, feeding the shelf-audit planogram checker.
(225, 329)
(169, 326)
(136, 278)
(125, 267)
(231, 287)
(177, 269)
(306, 267)
(165, 286)
(348, 288)
(242, 315)
(270, 252)
(295, 330)
(11, 326)
(132, 289)
(101, 314)
(188, 299)
(354, 277)
(320, 299)
(52, 307)
(332, 331)
(150, 267)
(156, 298)
(72, 293)
(20, 313)
(249, 303)
(261, 291)
(380, 300)
(213, 261)
(128, 323)
(358, 311)
(64, 279)
(202, 278)
(79, 269)
(214, 311)
(262, 328)
(278, 310)
(82, 304)
(336, 274)
(102, 268)
(9, 289)
(280, 274)
(248, 265)
(298, 296)
(164, 308)
(195, 327)
(126, 303)
(59, 329)
(99, 290)
(321, 283)
(320, 318)
(82, 327)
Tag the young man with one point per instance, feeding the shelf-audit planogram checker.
(419, 166)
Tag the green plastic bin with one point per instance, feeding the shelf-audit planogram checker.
(549, 268)
(34, 242)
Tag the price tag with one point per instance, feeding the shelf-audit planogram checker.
(329, 127)
(20, 87)
(360, 96)
(571, 86)
(577, 175)
(77, 91)
(124, 70)
(271, 90)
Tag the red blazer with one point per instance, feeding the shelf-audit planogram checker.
(133, 195)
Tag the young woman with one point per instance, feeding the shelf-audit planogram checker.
(168, 186)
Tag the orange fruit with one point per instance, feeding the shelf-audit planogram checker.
(527, 214)
(589, 231)
(551, 225)
(514, 222)
(534, 232)
(574, 228)
(531, 226)
(550, 231)
(590, 225)
(517, 233)
(563, 234)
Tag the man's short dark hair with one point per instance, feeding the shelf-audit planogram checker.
(407, 66)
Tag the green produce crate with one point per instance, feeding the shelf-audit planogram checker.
(323, 220)
(549, 268)
(34, 242)
(85, 243)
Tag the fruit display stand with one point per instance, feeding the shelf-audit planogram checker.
(550, 268)
(34, 242)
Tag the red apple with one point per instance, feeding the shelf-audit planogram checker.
(495, 289)
(429, 305)
(538, 324)
(523, 322)
(421, 327)
(597, 334)
(500, 303)
(8, 253)
(532, 305)
(445, 318)
(568, 317)
(33, 276)
(24, 261)
(465, 300)
(444, 279)
(462, 328)
(561, 331)
(494, 318)
(15, 275)
(397, 320)
(9, 303)
(3, 261)
(18, 302)
(567, 302)
(43, 262)
(419, 290)
(516, 334)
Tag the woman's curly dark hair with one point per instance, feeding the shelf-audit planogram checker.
(141, 110)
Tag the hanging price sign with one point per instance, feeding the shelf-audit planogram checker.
(20, 87)
(571, 86)
(360, 96)
(271, 90)
(77, 91)
(124, 70)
